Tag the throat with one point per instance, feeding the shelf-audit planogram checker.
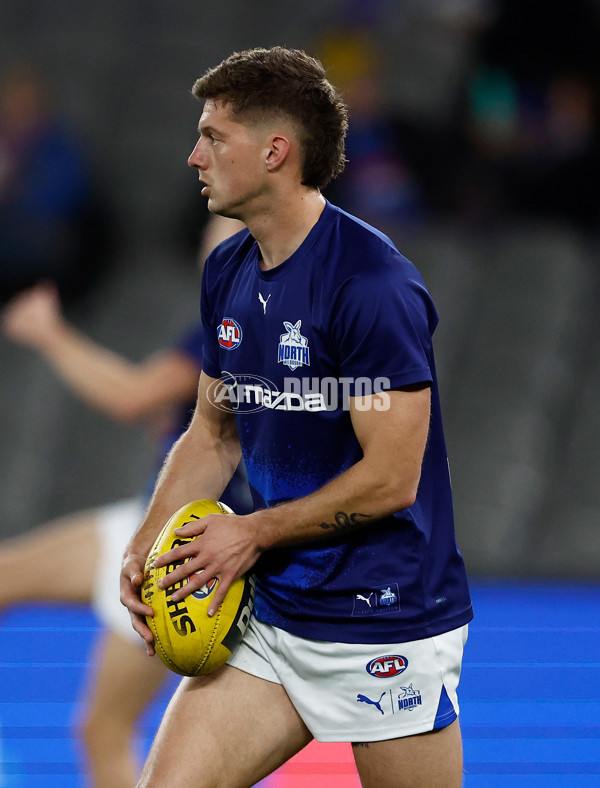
(286, 238)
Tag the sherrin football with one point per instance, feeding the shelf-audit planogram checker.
(186, 639)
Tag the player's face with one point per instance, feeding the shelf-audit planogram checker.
(230, 159)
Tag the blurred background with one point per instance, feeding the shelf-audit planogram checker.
(474, 143)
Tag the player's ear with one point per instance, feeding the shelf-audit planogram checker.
(277, 152)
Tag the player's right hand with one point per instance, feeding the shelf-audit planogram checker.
(132, 577)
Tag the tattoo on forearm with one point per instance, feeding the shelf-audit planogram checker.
(344, 522)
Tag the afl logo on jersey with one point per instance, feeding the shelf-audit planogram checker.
(387, 666)
(229, 334)
(206, 590)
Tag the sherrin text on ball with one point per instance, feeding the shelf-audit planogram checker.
(186, 638)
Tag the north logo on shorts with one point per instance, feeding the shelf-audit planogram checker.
(387, 666)
(229, 334)
(409, 698)
(206, 590)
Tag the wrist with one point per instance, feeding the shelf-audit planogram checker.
(262, 527)
(139, 547)
(54, 339)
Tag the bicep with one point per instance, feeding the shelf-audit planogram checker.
(212, 411)
(392, 428)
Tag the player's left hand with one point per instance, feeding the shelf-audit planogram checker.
(223, 548)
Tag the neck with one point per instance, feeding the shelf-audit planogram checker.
(282, 230)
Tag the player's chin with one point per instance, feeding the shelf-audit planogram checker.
(221, 207)
(213, 204)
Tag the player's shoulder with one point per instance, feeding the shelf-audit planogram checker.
(364, 253)
(368, 269)
(226, 258)
(353, 229)
(231, 248)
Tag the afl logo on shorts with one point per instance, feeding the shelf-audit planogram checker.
(387, 666)
(229, 333)
(206, 590)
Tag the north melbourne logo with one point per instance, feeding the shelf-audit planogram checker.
(409, 698)
(293, 347)
(377, 602)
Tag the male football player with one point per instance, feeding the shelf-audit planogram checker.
(318, 367)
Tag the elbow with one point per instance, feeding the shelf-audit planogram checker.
(402, 499)
(408, 499)
(400, 492)
(128, 412)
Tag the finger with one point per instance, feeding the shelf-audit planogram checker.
(192, 528)
(186, 578)
(197, 581)
(132, 571)
(219, 596)
(178, 573)
(136, 579)
(135, 605)
(142, 630)
(177, 554)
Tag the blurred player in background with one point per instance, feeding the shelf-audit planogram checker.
(82, 552)
(362, 602)
(55, 219)
(380, 184)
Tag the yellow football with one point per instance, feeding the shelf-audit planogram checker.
(186, 639)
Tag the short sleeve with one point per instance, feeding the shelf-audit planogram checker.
(382, 324)
(190, 344)
(210, 362)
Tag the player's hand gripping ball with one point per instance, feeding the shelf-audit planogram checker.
(186, 639)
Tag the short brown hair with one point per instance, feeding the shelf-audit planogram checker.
(278, 81)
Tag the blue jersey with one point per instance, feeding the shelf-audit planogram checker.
(236, 495)
(345, 315)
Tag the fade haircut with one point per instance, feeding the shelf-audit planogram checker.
(280, 82)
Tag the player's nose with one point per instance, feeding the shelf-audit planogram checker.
(196, 158)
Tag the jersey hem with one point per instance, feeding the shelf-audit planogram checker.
(383, 635)
(410, 378)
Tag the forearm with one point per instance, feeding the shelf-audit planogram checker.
(384, 481)
(231, 545)
(355, 499)
(198, 466)
(100, 377)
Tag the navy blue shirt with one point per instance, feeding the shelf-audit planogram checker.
(345, 315)
(236, 495)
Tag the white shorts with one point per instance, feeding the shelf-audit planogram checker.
(116, 524)
(359, 692)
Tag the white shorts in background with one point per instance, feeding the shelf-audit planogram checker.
(116, 524)
(359, 692)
